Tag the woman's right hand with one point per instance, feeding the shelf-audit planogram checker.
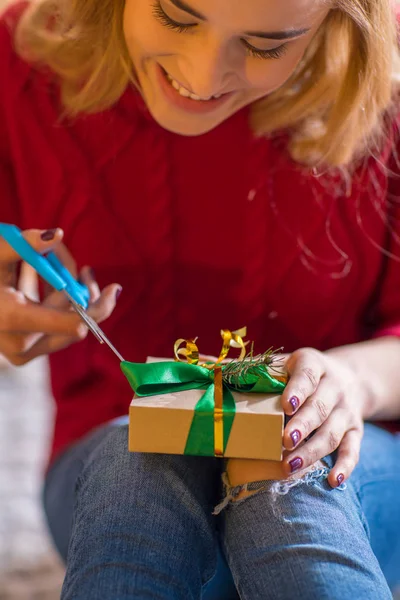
(29, 329)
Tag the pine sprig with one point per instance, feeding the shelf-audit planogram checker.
(236, 372)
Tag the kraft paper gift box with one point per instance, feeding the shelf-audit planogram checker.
(162, 424)
(200, 412)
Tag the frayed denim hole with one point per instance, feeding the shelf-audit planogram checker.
(314, 477)
(232, 492)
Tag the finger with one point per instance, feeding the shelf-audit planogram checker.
(104, 306)
(41, 240)
(27, 281)
(325, 441)
(15, 344)
(48, 344)
(348, 456)
(21, 315)
(57, 300)
(99, 311)
(65, 256)
(305, 368)
(311, 415)
(87, 277)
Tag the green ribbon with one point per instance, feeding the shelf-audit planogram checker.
(152, 379)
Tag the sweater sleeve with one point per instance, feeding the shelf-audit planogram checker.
(387, 313)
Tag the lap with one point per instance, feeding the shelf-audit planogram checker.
(315, 522)
(102, 462)
(136, 509)
(376, 482)
(318, 538)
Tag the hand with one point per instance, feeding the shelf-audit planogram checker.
(29, 329)
(323, 395)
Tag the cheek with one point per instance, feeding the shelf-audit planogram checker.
(142, 35)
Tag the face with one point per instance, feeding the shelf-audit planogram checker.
(197, 62)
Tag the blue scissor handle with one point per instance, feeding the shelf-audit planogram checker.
(79, 292)
(49, 267)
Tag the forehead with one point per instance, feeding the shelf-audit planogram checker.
(262, 14)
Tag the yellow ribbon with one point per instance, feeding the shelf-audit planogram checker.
(218, 413)
(190, 354)
(230, 339)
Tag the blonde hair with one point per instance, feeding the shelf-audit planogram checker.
(334, 104)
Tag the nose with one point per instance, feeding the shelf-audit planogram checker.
(209, 68)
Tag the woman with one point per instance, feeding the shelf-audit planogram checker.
(226, 164)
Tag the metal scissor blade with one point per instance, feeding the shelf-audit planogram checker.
(93, 326)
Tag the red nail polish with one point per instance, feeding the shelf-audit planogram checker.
(48, 235)
(295, 464)
(118, 293)
(296, 437)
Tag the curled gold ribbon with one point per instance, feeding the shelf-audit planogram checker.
(230, 339)
(233, 339)
(190, 354)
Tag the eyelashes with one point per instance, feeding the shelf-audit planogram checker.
(273, 53)
(165, 20)
(161, 16)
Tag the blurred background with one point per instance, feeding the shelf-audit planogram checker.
(29, 566)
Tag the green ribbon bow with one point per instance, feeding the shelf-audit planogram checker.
(151, 379)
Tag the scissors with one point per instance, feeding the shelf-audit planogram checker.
(51, 269)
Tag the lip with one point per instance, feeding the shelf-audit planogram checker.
(186, 104)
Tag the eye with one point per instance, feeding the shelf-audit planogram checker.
(165, 20)
(266, 54)
(161, 16)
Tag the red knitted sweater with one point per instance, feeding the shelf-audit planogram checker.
(219, 230)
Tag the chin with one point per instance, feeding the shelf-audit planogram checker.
(190, 125)
(186, 125)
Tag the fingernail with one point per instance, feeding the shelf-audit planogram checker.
(296, 437)
(92, 273)
(294, 402)
(340, 478)
(295, 464)
(118, 293)
(48, 235)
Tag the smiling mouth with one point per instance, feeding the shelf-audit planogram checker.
(182, 91)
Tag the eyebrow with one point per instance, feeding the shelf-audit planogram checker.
(270, 35)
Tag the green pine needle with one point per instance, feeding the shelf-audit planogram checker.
(236, 371)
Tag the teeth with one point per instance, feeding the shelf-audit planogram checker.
(185, 93)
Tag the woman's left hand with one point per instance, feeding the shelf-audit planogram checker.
(322, 394)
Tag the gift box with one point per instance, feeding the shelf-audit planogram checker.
(208, 408)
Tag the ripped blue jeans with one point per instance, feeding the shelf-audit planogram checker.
(142, 526)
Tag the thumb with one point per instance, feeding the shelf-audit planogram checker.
(41, 240)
